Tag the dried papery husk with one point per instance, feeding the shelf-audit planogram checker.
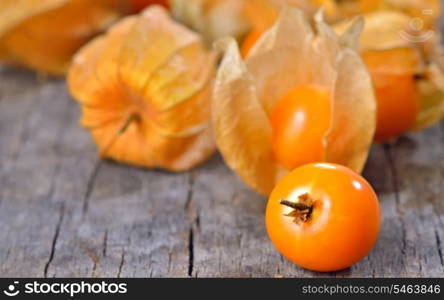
(43, 35)
(213, 19)
(430, 83)
(144, 89)
(382, 30)
(426, 12)
(293, 52)
(263, 13)
(401, 50)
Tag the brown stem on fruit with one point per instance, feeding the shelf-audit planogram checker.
(294, 205)
(132, 118)
(301, 210)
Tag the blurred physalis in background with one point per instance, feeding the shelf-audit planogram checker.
(43, 35)
(144, 88)
(427, 11)
(213, 19)
(407, 68)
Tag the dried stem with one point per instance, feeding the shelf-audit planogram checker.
(301, 210)
(294, 205)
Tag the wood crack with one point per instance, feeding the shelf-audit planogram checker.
(193, 222)
(105, 243)
(54, 240)
(439, 246)
(58, 167)
(90, 186)
(441, 174)
(122, 262)
(169, 262)
(404, 238)
(190, 252)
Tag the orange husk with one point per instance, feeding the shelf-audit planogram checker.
(44, 35)
(388, 35)
(144, 89)
(292, 53)
(213, 19)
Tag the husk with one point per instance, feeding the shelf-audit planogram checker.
(138, 68)
(43, 35)
(382, 30)
(354, 113)
(427, 10)
(263, 13)
(14, 12)
(410, 52)
(431, 86)
(213, 19)
(290, 54)
(241, 125)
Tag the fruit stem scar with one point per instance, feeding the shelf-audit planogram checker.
(301, 210)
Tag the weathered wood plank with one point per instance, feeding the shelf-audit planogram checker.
(79, 211)
(32, 124)
(65, 213)
(230, 239)
(135, 225)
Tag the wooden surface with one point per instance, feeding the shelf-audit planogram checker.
(63, 212)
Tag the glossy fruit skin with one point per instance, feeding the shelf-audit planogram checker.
(342, 227)
(397, 98)
(398, 105)
(300, 122)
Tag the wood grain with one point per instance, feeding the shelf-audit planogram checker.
(65, 213)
